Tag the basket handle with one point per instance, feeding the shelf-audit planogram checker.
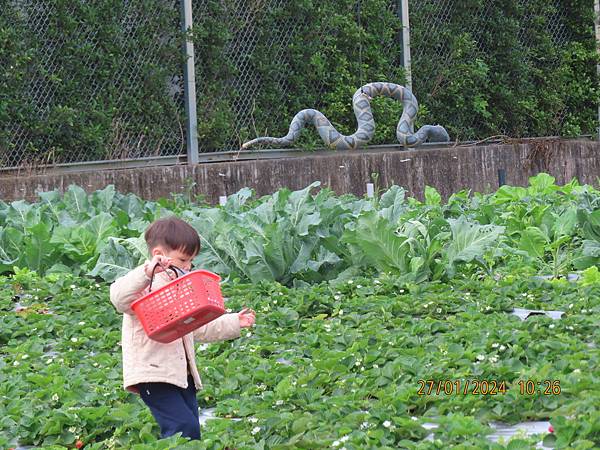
(176, 270)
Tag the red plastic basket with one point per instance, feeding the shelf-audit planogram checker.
(181, 306)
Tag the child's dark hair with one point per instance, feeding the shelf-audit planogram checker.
(173, 233)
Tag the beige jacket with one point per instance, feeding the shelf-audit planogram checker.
(145, 360)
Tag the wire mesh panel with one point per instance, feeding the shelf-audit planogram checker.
(481, 68)
(504, 68)
(90, 80)
(260, 62)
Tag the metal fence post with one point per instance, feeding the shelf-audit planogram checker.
(403, 11)
(189, 80)
(597, 26)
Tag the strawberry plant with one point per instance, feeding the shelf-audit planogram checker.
(357, 300)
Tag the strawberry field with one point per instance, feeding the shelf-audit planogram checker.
(376, 317)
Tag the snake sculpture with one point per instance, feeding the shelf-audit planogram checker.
(366, 125)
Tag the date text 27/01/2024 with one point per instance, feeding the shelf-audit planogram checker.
(487, 387)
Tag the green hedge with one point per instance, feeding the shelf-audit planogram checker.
(519, 72)
(318, 67)
(86, 80)
(92, 80)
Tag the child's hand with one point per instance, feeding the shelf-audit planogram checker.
(247, 318)
(162, 261)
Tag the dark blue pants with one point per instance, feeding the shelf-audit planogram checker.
(174, 408)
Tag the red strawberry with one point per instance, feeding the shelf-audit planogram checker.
(551, 429)
(79, 444)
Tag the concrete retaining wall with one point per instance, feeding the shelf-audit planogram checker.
(448, 169)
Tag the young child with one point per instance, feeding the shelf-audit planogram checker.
(165, 375)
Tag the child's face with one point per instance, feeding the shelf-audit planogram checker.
(180, 259)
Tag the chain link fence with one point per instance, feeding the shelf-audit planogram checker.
(277, 57)
(246, 38)
(89, 81)
(516, 47)
(102, 80)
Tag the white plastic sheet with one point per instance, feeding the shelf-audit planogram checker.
(524, 314)
(503, 432)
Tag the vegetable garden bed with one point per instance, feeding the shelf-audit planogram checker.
(364, 298)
